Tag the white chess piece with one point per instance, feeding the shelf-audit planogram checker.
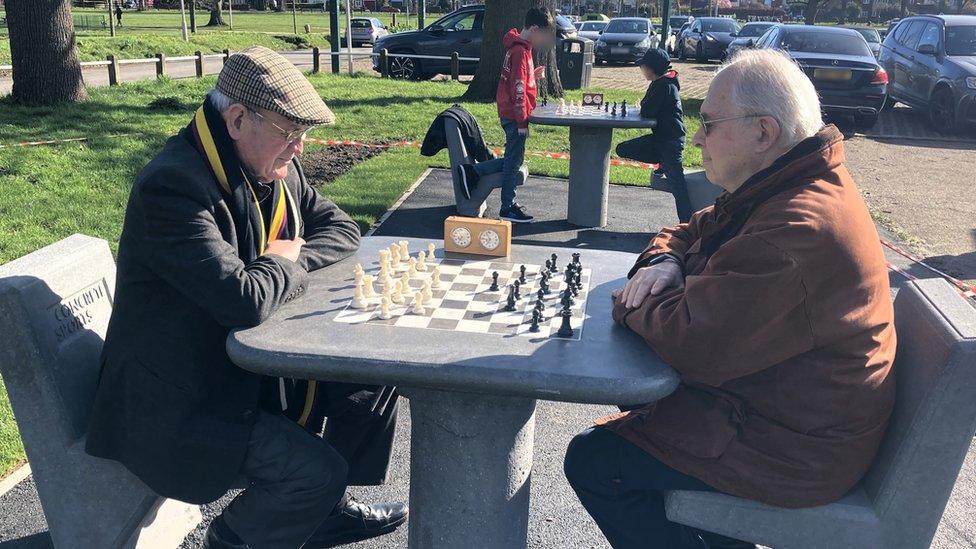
(394, 254)
(412, 269)
(422, 261)
(430, 251)
(404, 248)
(418, 304)
(405, 281)
(357, 298)
(562, 106)
(359, 277)
(359, 268)
(426, 293)
(388, 292)
(384, 269)
(435, 277)
(397, 296)
(385, 308)
(384, 256)
(368, 286)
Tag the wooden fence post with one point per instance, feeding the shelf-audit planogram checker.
(316, 67)
(455, 66)
(394, 19)
(384, 63)
(113, 70)
(199, 63)
(160, 65)
(226, 55)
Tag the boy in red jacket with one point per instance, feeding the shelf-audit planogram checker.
(516, 99)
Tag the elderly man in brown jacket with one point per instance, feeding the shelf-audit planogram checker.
(773, 305)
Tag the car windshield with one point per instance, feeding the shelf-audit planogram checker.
(961, 40)
(719, 25)
(593, 26)
(564, 22)
(360, 23)
(870, 35)
(750, 31)
(678, 21)
(826, 42)
(627, 27)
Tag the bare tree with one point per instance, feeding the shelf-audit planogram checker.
(216, 8)
(500, 16)
(45, 62)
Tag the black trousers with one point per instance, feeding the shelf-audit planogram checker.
(296, 478)
(667, 153)
(621, 487)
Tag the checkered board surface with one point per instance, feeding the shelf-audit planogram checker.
(464, 303)
(588, 111)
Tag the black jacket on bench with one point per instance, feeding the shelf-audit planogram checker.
(474, 142)
(170, 405)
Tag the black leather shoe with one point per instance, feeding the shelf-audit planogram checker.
(357, 521)
(220, 536)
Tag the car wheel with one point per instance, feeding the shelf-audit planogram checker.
(865, 121)
(699, 54)
(942, 111)
(889, 103)
(405, 68)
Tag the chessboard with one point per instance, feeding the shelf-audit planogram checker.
(463, 301)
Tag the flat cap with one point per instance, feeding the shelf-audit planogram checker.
(262, 79)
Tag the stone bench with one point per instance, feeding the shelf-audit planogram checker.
(474, 206)
(54, 309)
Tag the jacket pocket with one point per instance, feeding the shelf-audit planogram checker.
(694, 422)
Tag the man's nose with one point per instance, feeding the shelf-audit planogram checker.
(698, 139)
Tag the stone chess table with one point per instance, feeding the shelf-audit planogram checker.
(472, 395)
(590, 135)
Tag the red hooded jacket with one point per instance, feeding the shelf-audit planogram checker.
(516, 87)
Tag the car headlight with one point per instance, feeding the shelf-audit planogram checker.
(709, 38)
(971, 82)
(645, 43)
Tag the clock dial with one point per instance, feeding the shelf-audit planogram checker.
(461, 237)
(489, 239)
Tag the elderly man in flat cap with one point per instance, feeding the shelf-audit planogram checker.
(221, 229)
(773, 306)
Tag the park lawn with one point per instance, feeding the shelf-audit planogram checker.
(52, 191)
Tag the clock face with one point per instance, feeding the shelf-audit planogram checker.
(489, 239)
(461, 237)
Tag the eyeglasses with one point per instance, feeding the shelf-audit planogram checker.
(706, 123)
(287, 135)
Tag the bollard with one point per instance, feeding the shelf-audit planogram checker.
(394, 19)
(455, 66)
(160, 65)
(113, 70)
(308, 28)
(315, 60)
(226, 56)
(384, 63)
(199, 63)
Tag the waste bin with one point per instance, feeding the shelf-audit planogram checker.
(575, 63)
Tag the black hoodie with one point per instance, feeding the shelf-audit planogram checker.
(663, 103)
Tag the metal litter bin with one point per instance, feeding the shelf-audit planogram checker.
(575, 63)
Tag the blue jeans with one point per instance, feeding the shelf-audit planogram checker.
(509, 164)
(667, 153)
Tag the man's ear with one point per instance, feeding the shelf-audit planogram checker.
(234, 117)
(769, 132)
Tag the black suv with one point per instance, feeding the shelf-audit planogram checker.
(459, 31)
(931, 64)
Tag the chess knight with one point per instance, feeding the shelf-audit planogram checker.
(221, 229)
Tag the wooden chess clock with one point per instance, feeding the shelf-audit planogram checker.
(476, 235)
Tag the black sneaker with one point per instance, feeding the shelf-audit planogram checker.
(356, 521)
(515, 214)
(220, 536)
(659, 172)
(469, 178)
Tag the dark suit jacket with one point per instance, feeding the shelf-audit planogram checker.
(170, 404)
(474, 142)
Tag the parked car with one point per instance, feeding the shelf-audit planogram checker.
(845, 73)
(707, 38)
(365, 30)
(747, 36)
(931, 61)
(596, 17)
(675, 36)
(676, 24)
(459, 31)
(564, 29)
(872, 37)
(591, 29)
(577, 24)
(626, 39)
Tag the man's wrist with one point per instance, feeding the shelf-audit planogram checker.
(654, 260)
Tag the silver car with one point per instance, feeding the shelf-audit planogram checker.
(591, 30)
(366, 30)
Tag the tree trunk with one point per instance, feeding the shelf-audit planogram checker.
(42, 48)
(500, 16)
(811, 11)
(216, 14)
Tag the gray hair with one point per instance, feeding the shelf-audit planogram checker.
(767, 82)
(219, 100)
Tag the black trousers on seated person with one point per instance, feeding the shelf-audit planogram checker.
(621, 487)
(296, 477)
(667, 153)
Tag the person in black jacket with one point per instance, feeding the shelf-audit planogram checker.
(221, 229)
(666, 143)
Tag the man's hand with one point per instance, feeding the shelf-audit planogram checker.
(523, 131)
(540, 72)
(650, 281)
(286, 248)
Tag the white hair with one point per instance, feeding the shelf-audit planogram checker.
(767, 82)
(220, 100)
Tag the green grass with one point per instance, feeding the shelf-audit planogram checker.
(52, 191)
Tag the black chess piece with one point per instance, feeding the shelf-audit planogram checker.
(536, 317)
(510, 303)
(613, 112)
(494, 282)
(566, 328)
(522, 274)
(548, 265)
(623, 108)
(544, 285)
(553, 268)
(541, 294)
(517, 286)
(576, 257)
(606, 107)
(573, 289)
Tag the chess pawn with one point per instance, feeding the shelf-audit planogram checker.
(397, 296)
(412, 269)
(435, 277)
(385, 308)
(405, 281)
(418, 304)
(359, 268)
(422, 261)
(357, 299)
(426, 293)
(430, 251)
(368, 290)
(404, 249)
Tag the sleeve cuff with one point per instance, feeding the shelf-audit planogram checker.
(654, 260)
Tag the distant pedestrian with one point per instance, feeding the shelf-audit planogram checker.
(118, 14)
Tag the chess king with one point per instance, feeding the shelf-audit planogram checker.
(221, 229)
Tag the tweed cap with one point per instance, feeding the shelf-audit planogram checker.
(262, 79)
